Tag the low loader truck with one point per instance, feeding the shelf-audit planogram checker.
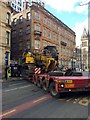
(57, 84)
(48, 76)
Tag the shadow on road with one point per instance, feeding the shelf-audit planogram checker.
(75, 94)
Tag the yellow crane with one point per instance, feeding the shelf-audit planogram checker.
(45, 61)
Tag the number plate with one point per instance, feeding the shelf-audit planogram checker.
(68, 81)
(69, 85)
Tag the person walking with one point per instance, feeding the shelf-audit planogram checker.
(6, 75)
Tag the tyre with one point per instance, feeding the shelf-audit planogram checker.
(53, 91)
(35, 80)
(39, 82)
(44, 85)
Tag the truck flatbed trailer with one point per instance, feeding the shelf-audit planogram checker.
(62, 84)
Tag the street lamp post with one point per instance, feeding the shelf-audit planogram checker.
(72, 61)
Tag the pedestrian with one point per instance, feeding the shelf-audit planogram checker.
(68, 72)
(6, 75)
(9, 72)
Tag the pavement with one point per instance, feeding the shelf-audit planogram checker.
(10, 79)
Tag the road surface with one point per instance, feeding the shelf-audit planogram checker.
(22, 99)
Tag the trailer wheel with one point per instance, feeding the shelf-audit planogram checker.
(35, 80)
(44, 85)
(39, 82)
(53, 91)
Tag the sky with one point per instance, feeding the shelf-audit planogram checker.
(73, 13)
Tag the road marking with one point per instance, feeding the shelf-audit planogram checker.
(11, 89)
(69, 99)
(17, 88)
(7, 113)
(77, 100)
(84, 102)
(17, 84)
(38, 100)
(24, 86)
(25, 106)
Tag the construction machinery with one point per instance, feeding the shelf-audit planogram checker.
(39, 62)
(43, 70)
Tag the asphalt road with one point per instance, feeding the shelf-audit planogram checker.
(22, 99)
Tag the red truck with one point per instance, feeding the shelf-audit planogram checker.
(43, 68)
(56, 83)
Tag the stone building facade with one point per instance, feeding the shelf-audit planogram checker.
(85, 50)
(5, 32)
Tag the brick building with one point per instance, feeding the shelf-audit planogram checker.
(36, 27)
(5, 32)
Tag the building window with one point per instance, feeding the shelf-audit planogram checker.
(21, 19)
(57, 27)
(84, 50)
(54, 26)
(28, 5)
(20, 45)
(8, 18)
(37, 16)
(57, 37)
(49, 22)
(44, 43)
(44, 20)
(7, 38)
(37, 44)
(20, 32)
(28, 44)
(49, 34)
(28, 29)
(37, 27)
(14, 33)
(48, 43)
(84, 44)
(54, 37)
(14, 21)
(28, 16)
(44, 33)
(20, 9)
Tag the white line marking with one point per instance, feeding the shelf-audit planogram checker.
(8, 113)
(69, 99)
(77, 100)
(11, 89)
(24, 86)
(17, 84)
(39, 99)
(17, 88)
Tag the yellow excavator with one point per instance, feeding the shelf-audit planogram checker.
(45, 61)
